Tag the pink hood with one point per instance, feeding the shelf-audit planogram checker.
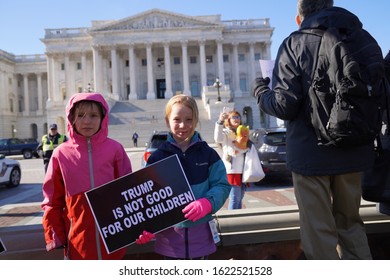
(92, 96)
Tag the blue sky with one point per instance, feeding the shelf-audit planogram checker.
(23, 22)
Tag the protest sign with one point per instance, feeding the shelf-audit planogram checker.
(266, 67)
(149, 199)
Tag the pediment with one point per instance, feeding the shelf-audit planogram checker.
(156, 19)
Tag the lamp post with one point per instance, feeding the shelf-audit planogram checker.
(218, 85)
(89, 88)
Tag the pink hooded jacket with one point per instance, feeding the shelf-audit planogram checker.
(76, 166)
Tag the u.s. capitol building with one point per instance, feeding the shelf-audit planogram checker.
(152, 55)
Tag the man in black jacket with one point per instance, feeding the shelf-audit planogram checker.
(327, 180)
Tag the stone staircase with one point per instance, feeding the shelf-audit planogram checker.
(146, 116)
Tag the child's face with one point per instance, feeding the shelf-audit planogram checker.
(87, 119)
(180, 122)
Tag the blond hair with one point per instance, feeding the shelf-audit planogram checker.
(187, 101)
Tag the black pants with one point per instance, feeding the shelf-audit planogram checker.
(46, 163)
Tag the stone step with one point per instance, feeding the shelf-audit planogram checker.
(146, 116)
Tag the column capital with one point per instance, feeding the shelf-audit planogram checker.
(97, 47)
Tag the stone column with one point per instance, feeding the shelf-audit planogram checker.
(97, 70)
(50, 72)
(203, 72)
(84, 71)
(114, 73)
(236, 72)
(221, 71)
(121, 78)
(26, 111)
(168, 74)
(68, 87)
(3, 90)
(149, 59)
(40, 97)
(252, 71)
(267, 47)
(133, 83)
(55, 87)
(186, 79)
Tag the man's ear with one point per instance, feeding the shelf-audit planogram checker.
(298, 20)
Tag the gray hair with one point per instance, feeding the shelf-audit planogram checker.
(307, 7)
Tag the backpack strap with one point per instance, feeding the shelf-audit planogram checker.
(313, 99)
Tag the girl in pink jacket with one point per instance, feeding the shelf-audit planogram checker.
(87, 160)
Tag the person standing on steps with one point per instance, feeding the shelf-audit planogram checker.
(135, 139)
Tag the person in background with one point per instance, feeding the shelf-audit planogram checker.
(135, 139)
(225, 133)
(49, 142)
(87, 160)
(326, 179)
(206, 174)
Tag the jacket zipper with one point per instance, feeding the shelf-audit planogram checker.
(92, 181)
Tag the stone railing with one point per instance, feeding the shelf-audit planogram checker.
(23, 58)
(7, 55)
(246, 24)
(65, 32)
(30, 58)
(210, 100)
(240, 230)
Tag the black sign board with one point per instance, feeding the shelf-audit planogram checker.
(149, 199)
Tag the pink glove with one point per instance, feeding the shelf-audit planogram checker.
(145, 237)
(197, 209)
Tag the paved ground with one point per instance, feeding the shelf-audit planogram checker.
(21, 206)
(24, 208)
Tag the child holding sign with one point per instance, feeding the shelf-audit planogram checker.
(205, 171)
(87, 160)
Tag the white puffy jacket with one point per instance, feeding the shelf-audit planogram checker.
(232, 157)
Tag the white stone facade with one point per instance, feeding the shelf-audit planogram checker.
(154, 54)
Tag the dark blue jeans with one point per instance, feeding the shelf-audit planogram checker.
(236, 196)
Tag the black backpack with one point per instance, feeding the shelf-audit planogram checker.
(347, 91)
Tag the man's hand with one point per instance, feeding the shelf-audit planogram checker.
(260, 85)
